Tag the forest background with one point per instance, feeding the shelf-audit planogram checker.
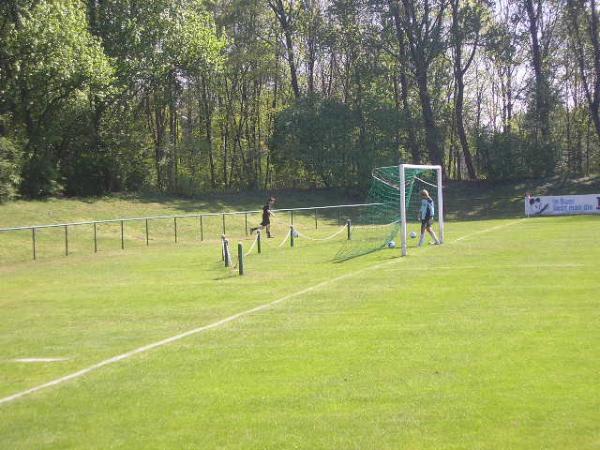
(191, 96)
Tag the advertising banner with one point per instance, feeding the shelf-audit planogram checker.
(559, 205)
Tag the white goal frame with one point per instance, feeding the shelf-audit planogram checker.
(440, 201)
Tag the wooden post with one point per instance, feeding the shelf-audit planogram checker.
(291, 235)
(95, 239)
(292, 217)
(349, 225)
(224, 232)
(201, 229)
(122, 237)
(316, 220)
(240, 259)
(175, 228)
(246, 220)
(147, 234)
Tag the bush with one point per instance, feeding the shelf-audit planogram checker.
(9, 169)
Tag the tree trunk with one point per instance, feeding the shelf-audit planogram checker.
(208, 129)
(411, 139)
(286, 26)
(541, 82)
(459, 72)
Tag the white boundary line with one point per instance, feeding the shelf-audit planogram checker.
(217, 324)
(487, 230)
(38, 360)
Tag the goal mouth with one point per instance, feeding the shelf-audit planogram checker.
(395, 199)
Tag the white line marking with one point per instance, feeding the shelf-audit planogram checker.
(507, 267)
(35, 360)
(487, 230)
(219, 323)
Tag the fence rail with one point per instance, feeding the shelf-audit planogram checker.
(313, 210)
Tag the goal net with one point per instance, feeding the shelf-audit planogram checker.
(392, 214)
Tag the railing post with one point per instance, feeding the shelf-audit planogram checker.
(349, 225)
(122, 236)
(258, 241)
(33, 242)
(316, 220)
(175, 228)
(224, 230)
(147, 234)
(246, 222)
(66, 240)
(201, 229)
(95, 238)
(291, 235)
(240, 259)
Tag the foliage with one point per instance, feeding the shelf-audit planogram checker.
(319, 136)
(201, 95)
(9, 169)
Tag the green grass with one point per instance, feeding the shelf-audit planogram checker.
(489, 341)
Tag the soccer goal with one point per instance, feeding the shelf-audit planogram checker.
(394, 201)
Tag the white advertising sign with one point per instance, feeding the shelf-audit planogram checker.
(558, 205)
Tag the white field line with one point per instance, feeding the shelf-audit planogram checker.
(487, 230)
(505, 266)
(37, 360)
(145, 348)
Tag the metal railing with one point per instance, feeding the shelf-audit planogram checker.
(313, 210)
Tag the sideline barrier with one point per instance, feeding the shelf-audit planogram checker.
(200, 232)
(291, 235)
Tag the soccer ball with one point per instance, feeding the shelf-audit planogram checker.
(391, 244)
(413, 235)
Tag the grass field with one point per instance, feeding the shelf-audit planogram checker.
(489, 341)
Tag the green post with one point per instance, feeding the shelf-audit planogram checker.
(201, 229)
(147, 234)
(95, 239)
(33, 242)
(258, 241)
(291, 235)
(240, 259)
(349, 225)
(122, 236)
(175, 228)
(66, 240)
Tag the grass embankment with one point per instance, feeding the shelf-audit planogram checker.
(463, 201)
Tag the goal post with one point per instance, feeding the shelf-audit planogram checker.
(392, 209)
(418, 168)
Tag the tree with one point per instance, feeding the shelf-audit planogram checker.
(422, 23)
(465, 31)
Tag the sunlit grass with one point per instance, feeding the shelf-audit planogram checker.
(486, 342)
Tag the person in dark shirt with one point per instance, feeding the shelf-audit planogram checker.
(266, 217)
